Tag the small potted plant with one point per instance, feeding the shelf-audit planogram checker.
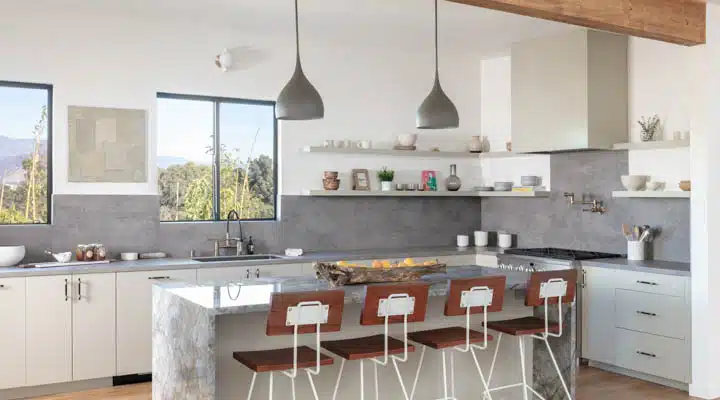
(386, 177)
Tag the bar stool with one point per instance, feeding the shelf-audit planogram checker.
(465, 297)
(547, 287)
(295, 314)
(384, 304)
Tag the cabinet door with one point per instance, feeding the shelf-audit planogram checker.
(134, 317)
(278, 270)
(224, 274)
(598, 306)
(93, 326)
(48, 323)
(12, 332)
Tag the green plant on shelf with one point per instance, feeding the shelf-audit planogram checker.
(386, 175)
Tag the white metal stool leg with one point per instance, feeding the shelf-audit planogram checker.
(271, 385)
(377, 386)
(492, 366)
(292, 386)
(312, 384)
(486, 384)
(522, 367)
(362, 380)
(252, 386)
(417, 374)
(445, 380)
(452, 374)
(557, 368)
(337, 382)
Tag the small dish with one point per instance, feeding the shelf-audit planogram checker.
(655, 186)
(503, 186)
(128, 256)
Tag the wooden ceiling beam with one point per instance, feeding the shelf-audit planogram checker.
(675, 21)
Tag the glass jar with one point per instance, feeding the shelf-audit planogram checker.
(80, 252)
(100, 252)
(89, 252)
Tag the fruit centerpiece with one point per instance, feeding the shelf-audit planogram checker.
(346, 273)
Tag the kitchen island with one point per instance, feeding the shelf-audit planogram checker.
(196, 328)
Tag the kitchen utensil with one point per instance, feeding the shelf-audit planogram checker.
(481, 238)
(407, 139)
(11, 255)
(453, 182)
(463, 240)
(685, 186)
(504, 240)
(503, 186)
(529, 180)
(636, 250)
(634, 182)
(626, 231)
(636, 232)
(129, 256)
(645, 235)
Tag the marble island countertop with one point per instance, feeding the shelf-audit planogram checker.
(254, 295)
(309, 257)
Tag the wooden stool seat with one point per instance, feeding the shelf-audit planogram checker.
(443, 338)
(280, 359)
(523, 326)
(366, 347)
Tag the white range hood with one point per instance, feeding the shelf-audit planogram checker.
(570, 92)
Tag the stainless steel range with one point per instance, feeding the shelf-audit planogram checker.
(547, 259)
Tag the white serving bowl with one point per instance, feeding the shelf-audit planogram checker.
(11, 255)
(634, 182)
(63, 257)
(407, 139)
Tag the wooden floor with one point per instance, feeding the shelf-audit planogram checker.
(593, 384)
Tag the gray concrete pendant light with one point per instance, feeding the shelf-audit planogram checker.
(299, 100)
(437, 111)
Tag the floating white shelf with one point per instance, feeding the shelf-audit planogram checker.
(502, 154)
(649, 194)
(397, 193)
(390, 152)
(661, 144)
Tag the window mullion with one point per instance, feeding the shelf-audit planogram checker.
(216, 161)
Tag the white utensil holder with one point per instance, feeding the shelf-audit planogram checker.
(635, 250)
(481, 238)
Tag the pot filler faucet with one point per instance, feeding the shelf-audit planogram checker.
(239, 240)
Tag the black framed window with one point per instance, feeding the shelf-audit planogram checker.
(25, 152)
(216, 155)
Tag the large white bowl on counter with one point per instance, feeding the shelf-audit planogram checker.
(634, 182)
(11, 255)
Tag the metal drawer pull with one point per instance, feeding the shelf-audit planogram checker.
(649, 314)
(247, 274)
(66, 291)
(2, 286)
(158, 278)
(642, 353)
(257, 273)
(79, 290)
(647, 283)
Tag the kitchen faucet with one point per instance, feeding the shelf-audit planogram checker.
(238, 240)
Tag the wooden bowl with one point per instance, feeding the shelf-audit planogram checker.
(684, 185)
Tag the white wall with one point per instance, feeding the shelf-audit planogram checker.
(107, 61)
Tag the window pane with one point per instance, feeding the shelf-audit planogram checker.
(247, 162)
(185, 159)
(23, 155)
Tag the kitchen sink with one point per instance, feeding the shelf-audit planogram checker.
(253, 257)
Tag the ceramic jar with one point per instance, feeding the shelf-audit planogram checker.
(453, 183)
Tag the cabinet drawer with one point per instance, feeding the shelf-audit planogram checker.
(652, 283)
(651, 313)
(655, 355)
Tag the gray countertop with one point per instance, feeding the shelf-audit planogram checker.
(309, 257)
(254, 295)
(650, 266)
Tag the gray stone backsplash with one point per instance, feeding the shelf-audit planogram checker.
(552, 222)
(131, 223)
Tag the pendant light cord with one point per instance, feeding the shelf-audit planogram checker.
(436, 38)
(297, 31)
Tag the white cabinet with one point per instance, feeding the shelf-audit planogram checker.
(637, 321)
(134, 317)
(277, 270)
(12, 332)
(93, 326)
(48, 324)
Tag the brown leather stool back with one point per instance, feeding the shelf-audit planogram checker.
(458, 286)
(374, 294)
(281, 302)
(537, 279)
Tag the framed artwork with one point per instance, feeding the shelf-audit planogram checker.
(429, 180)
(361, 179)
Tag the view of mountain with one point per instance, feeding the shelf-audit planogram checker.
(12, 153)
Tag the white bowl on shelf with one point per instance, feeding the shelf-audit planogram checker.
(407, 139)
(634, 182)
(11, 255)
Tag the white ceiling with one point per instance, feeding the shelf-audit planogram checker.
(390, 22)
